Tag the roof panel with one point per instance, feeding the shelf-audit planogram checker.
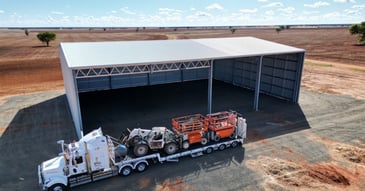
(101, 54)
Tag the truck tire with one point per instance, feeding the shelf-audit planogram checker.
(170, 148)
(209, 150)
(140, 150)
(185, 145)
(57, 187)
(221, 147)
(234, 144)
(142, 166)
(125, 171)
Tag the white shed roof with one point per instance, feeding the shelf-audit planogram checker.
(103, 54)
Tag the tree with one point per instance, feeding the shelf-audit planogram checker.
(46, 37)
(278, 29)
(358, 29)
(233, 30)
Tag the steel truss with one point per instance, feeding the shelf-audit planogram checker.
(140, 69)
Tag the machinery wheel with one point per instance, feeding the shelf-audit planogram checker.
(185, 145)
(209, 150)
(57, 187)
(234, 144)
(222, 147)
(217, 138)
(127, 170)
(170, 148)
(140, 150)
(204, 141)
(233, 135)
(142, 166)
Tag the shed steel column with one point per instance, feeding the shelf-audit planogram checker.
(257, 88)
(210, 83)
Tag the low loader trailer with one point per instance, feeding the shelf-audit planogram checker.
(97, 156)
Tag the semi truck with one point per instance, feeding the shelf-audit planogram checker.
(97, 156)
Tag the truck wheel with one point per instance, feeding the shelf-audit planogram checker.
(209, 150)
(222, 147)
(140, 150)
(204, 141)
(142, 166)
(171, 148)
(234, 144)
(57, 187)
(217, 138)
(127, 170)
(185, 145)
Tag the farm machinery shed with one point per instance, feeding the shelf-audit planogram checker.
(262, 66)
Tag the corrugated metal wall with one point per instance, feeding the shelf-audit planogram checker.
(280, 74)
(134, 80)
(71, 94)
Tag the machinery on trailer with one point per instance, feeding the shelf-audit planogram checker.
(143, 140)
(97, 156)
(202, 129)
(187, 130)
(192, 128)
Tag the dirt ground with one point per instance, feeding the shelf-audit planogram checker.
(318, 144)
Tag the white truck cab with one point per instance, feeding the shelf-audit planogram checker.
(92, 153)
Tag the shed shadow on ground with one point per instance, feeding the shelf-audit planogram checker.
(30, 138)
(149, 106)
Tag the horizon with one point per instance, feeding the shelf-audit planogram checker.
(174, 13)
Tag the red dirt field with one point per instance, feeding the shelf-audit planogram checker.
(27, 66)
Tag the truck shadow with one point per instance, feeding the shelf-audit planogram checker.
(176, 175)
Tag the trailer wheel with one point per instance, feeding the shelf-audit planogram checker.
(204, 141)
(170, 148)
(209, 150)
(222, 147)
(140, 150)
(142, 166)
(127, 170)
(234, 144)
(185, 145)
(57, 187)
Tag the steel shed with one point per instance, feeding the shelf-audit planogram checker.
(263, 66)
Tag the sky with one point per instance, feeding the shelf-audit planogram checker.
(157, 13)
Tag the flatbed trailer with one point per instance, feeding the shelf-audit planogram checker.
(127, 166)
(95, 156)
